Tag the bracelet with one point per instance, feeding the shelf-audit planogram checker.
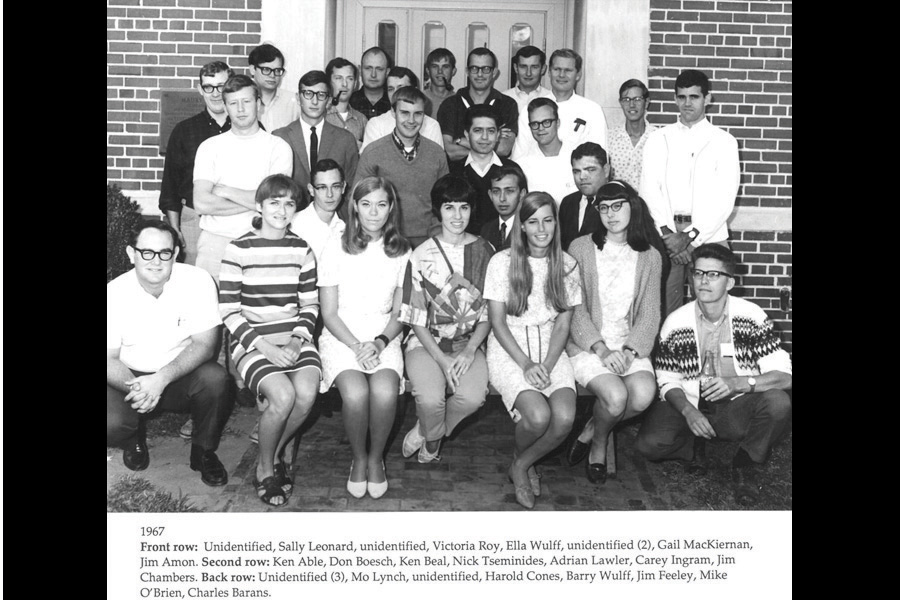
(383, 338)
(632, 350)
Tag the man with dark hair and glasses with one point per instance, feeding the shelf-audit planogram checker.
(311, 137)
(162, 329)
(483, 71)
(176, 193)
(627, 140)
(278, 107)
(745, 400)
(548, 165)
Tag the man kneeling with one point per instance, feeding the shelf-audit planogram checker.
(746, 399)
(162, 328)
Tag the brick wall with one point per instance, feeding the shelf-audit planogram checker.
(154, 44)
(746, 49)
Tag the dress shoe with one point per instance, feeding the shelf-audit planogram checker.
(357, 489)
(577, 451)
(596, 472)
(377, 490)
(136, 456)
(746, 485)
(212, 471)
(535, 480)
(413, 441)
(524, 493)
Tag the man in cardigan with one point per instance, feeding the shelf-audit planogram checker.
(411, 162)
(747, 402)
(577, 216)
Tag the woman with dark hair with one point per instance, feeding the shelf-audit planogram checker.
(360, 284)
(442, 302)
(532, 289)
(614, 330)
(269, 302)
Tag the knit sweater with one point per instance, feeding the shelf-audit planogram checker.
(757, 348)
(643, 317)
(413, 179)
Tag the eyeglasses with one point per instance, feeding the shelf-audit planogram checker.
(209, 89)
(473, 70)
(321, 96)
(711, 276)
(148, 255)
(277, 71)
(614, 207)
(535, 125)
(635, 100)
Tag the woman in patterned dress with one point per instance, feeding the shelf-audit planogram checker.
(360, 285)
(269, 302)
(442, 302)
(532, 288)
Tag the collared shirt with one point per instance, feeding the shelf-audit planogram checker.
(354, 122)
(383, 125)
(178, 172)
(410, 154)
(580, 120)
(309, 226)
(551, 174)
(626, 157)
(495, 160)
(582, 208)
(151, 332)
(716, 337)
(452, 115)
(509, 224)
(281, 111)
(688, 142)
(523, 98)
(307, 130)
(359, 102)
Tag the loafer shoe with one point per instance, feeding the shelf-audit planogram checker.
(136, 456)
(577, 451)
(596, 472)
(413, 441)
(746, 485)
(212, 471)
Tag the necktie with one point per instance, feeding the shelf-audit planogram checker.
(503, 233)
(313, 148)
(591, 201)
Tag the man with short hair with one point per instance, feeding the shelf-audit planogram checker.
(690, 179)
(578, 214)
(483, 70)
(277, 107)
(162, 329)
(319, 221)
(383, 125)
(441, 67)
(342, 75)
(228, 169)
(411, 162)
(176, 192)
(548, 166)
(627, 141)
(580, 120)
(372, 99)
(744, 402)
(530, 64)
(508, 186)
(482, 133)
(311, 137)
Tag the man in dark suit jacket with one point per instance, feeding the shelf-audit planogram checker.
(332, 142)
(508, 185)
(578, 215)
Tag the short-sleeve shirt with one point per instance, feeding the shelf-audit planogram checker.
(314, 231)
(626, 158)
(151, 332)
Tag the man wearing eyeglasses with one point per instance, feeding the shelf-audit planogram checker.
(481, 67)
(690, 178)
(278, 107)
(176, 193)
(311, 137)
(548, 165)
(162, 328)
(577, 215)
(627, 141)
(746, 399)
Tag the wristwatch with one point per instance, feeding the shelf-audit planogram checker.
(751, 381)
(692, 233)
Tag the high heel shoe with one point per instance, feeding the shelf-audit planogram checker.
(377, 490)
(524, 493)
(357, 489)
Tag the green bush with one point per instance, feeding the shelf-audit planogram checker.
(122, 216)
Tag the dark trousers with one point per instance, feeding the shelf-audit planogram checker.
(756, 421)
(204, 392)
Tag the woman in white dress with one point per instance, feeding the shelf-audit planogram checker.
(614, 329)
(360, 283)
(531, 290)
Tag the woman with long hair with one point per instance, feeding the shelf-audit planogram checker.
(360, 285)
(614, 329)
(531, 290)
(269, 302)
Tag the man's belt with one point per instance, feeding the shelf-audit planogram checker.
(682, 218)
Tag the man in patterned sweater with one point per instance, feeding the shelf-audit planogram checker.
(746, 399)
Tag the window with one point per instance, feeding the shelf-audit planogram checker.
(387, 39)
(434, 35)
(477, 36)
(520, 36)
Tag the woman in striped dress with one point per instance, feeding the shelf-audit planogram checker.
(269, 301)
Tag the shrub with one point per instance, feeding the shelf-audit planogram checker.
(122, 216)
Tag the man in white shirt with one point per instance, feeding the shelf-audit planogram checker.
(627, 141)
(228, 169)
(278, 107)
(508, 186)
(530, 64)
(548, 166)
(690, 179)
(319, 221)
(162, 329)
(384, 124)
(580, 120)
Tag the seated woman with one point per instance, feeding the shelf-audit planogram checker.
(614, 330)
(442, 302)
(531, 290)
(269, 302)
(360, 285)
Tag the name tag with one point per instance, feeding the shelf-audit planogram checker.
(726, 349)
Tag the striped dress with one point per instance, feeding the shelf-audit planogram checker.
(267, 289)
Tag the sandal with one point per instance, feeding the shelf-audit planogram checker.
(284, 480)
(268, 490)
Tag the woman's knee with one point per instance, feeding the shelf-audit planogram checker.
(280, 397)
(535, 417)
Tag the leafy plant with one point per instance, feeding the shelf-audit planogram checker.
(132, 493)
(122, 216)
